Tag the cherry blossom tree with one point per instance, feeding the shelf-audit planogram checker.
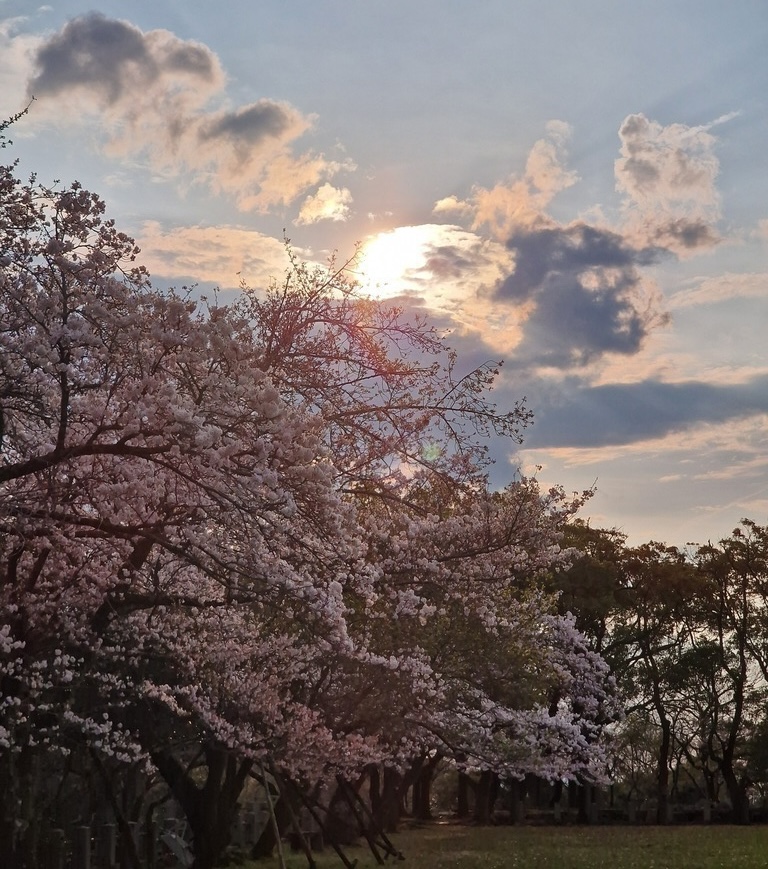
(234, 536)
(163, 508)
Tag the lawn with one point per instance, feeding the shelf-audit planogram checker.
(443, 846)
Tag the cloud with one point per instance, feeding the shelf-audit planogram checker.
(723, 288)
(152, 93)
(576, 289)
(586, 294)
(520, 201)
(735, 444)
(116, 66)
(712, 477)
(16, 57)
(452, 205)
(329, 203)
(667, 176)
(618, 414)
(222, 255)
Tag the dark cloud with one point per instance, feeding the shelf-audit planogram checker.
(91, 51)
(250, 124)
(447, 262)
(684, 234)
(467, 259)
(113, 58)
(193, 60)
(616, 414)
(586, 292)
(541, 253)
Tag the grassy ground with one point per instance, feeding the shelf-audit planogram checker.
(445, 846)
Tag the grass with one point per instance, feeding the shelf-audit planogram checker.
(444, 846)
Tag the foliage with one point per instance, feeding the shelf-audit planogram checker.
(686, 635)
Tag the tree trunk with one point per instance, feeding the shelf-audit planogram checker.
(463, 786)
(517, 793)
(422, 789)
(483, 798)
(19, 816)
(585, 804)
(374, 790)
(737, 793)
(388, 816)
(266, 842)
(210, 810)
(662, 772)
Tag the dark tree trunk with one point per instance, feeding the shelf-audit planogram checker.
(662, 772)
(417, 799)
(265, 844)
(484, 798)
(585, 804)
(463, 786)
(19, 814)
(737, 793)
(517, 792)
(388, 816)
(422, 789)
(374, 790)
(342, 823)
(210, 809)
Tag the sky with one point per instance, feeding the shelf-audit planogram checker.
(577, 189)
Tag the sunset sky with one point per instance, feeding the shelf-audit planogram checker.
(577, 188)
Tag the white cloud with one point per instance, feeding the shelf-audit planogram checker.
(727, 446)
(16, 52)
(328, 203)
(452, 205)
(683, 487)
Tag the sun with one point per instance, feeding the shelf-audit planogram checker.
(391, 262)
